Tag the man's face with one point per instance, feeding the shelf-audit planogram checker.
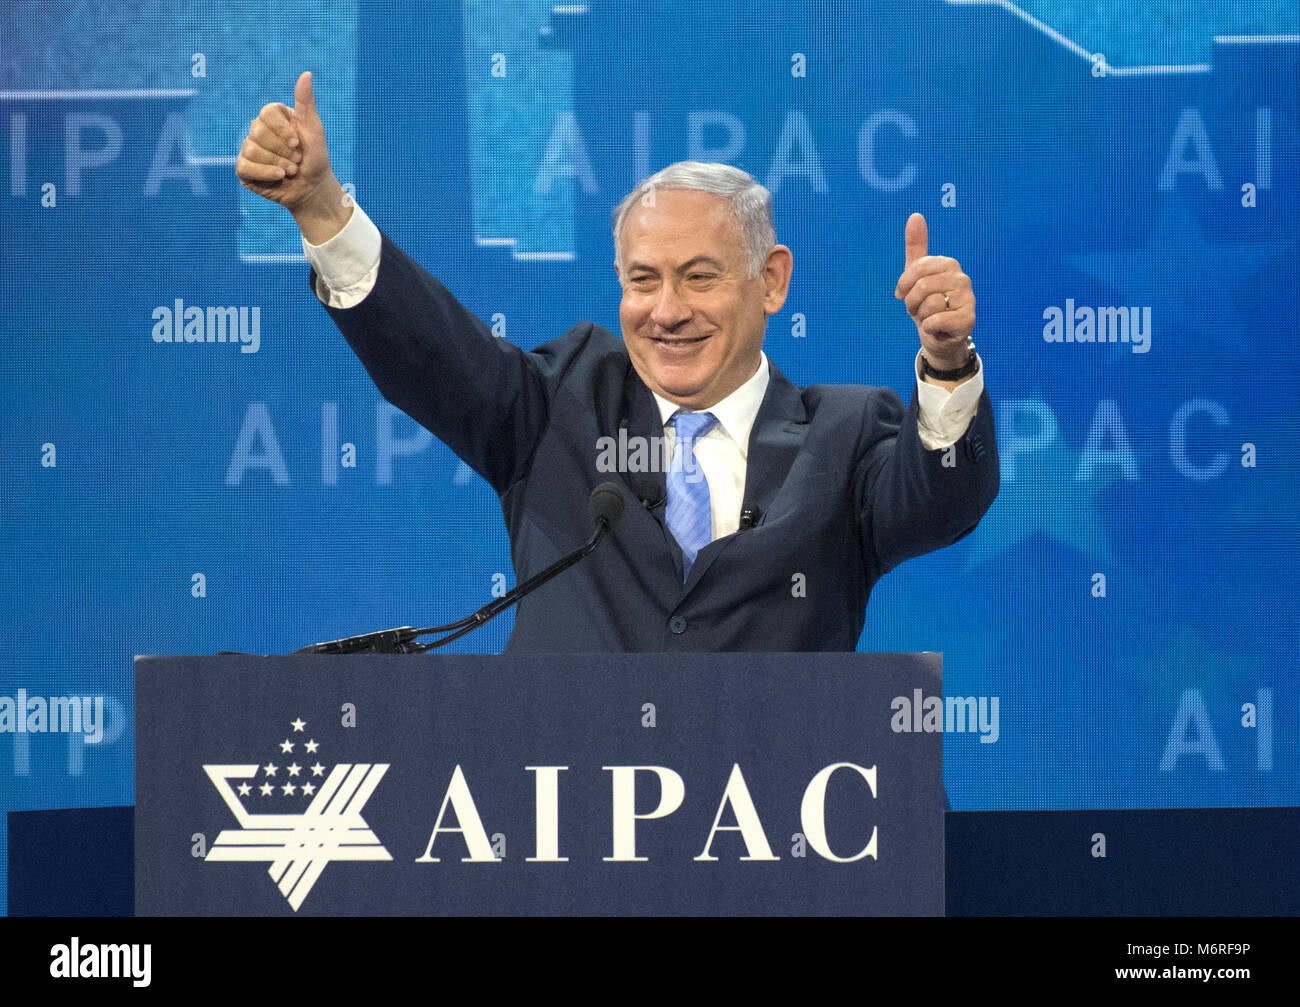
(692, 319)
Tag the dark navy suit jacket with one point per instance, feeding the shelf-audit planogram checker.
(843, 486)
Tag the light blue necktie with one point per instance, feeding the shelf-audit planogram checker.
(688, 513)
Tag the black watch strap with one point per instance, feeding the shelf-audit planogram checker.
(970, 367)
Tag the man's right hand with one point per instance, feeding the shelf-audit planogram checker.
(284, 159)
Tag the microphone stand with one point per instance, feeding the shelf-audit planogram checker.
(402, 640)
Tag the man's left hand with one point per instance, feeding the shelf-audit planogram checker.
(938, 297)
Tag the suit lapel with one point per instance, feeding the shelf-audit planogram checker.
(641, 419)
(778, 434)
(641, 424)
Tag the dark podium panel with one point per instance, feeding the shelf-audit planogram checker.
(548, 784)
(1174, 862)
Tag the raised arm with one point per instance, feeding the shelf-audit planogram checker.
(928, 473)
(483, 397)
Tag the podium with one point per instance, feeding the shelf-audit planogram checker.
(630, 784)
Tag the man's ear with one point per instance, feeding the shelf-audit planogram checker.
(775, 275)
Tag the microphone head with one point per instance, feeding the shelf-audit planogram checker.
(650, 493)
(606, 504)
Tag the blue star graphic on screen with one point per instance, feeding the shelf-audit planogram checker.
(1046, 497)
(1185, 279)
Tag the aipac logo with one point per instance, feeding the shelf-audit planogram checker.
(298, 842)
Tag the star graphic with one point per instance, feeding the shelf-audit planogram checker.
(288, 788)
(298, 724)
(295, 769)
(244, 790)
(266, 789)
(318, 770)
(309, 789)
(286, 745)
(1045, 498)
(1185, 280)
(311, 746)
(269, 769)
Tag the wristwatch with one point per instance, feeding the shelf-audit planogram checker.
(970, 367)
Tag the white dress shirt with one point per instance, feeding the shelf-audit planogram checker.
(346, 268)
(722, 453)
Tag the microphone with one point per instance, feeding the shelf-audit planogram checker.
(651, 494)
(750, 516)
(385, 641)
(605, 506)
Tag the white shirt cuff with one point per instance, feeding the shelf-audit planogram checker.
(348, 264)
(943, 415)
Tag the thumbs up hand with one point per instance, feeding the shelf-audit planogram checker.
(285, 159)
(938, 297)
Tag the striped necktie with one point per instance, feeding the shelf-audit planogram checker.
(688, 513)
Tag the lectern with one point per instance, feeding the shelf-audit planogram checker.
(628, 784)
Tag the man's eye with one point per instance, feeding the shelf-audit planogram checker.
(700, 276)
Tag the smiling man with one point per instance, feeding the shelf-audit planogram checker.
(694, 307)
(773, 509)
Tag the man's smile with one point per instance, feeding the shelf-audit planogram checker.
(676, 342)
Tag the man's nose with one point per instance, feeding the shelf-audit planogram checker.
(670, 309)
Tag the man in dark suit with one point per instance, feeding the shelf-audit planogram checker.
(758, 514)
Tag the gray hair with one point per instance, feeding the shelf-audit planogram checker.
(750, 202)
